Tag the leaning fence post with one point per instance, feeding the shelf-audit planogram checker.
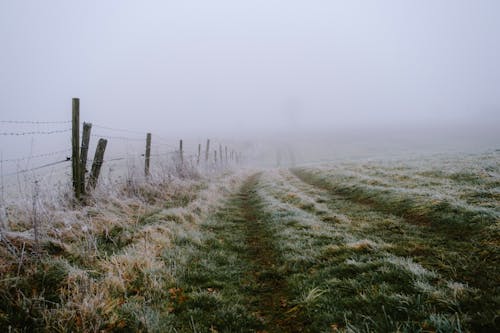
(83, 154)
(96, 165)
(75, 145)
(147, 155)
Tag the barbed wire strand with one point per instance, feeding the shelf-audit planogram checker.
(34, 132)
(155, 136)
(137, 155)
(33, 122)
(35, 156)
(7, 184)
(38, 167)
(160, 138)
(163, 154)
(154, 143)
(117, 137)
(118, 129)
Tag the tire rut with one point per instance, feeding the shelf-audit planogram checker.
(271, 297)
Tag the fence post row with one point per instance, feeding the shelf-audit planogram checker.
(79, 154)
(96, 165)
(75, 142)
(87, 127)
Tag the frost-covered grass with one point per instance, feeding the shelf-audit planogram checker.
(470, 182)
(373, 246)
(457, 240)
(111, 264)
(343, 278)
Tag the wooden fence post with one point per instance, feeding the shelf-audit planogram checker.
(96, 165)
(215, 157)
(181, 154)
(199, 154)
(225, 147)
(207, 151)
(147, 156)
(84, 149)
(75, 145)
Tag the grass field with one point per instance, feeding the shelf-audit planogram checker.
(368, 246)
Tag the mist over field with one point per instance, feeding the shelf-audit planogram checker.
(314, 75)
(250, 166)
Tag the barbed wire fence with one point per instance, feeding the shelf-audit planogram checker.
(37, 160)
(200, 157)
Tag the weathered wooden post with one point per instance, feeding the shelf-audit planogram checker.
(225, 147)
(215, 157)
(96, 166)
(207, 151)
(181, 154)
(75, 145)
(84, 149)
(199, 154)
(147, 156)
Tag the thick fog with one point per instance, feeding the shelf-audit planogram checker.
(428, 71)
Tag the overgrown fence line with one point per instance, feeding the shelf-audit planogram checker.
(84, 181)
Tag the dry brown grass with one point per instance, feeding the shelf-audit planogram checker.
(100, 260)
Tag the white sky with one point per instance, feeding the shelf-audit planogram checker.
(220, 67)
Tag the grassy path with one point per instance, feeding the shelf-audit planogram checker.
(233, 281)
(271, 302)
(284, 255)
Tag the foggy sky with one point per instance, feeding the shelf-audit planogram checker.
(220, 67)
